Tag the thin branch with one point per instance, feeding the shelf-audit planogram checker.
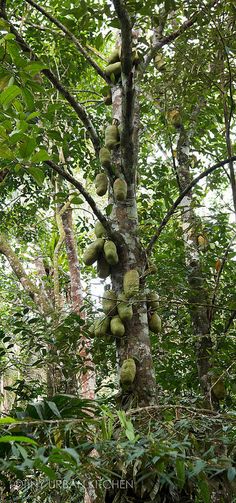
(180, 198)
(72, 37)
(175, 34)
(128, 91)
(79, 109)
(83, 191)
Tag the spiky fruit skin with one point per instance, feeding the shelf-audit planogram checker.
(101, 184)
(155, 323)
(124, 308)
(114, 57)
(219, 389)
(110, 253)
(127, 372)
(109, 302)
(153, 301)
(105, 157)
(99, 230)
(114, 68)
(117, 327)
(103, 268)
(120, 189)
(131, 283)
(111, 136)
(101, 326)
(93, 251)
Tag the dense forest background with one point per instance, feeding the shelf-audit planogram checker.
(117, 251)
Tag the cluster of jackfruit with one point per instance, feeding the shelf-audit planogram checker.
(102, 251)
(113, 69)
(154, 320)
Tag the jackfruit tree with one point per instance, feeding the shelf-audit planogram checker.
(118, 201)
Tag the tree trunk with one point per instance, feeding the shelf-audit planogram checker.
(198, 295)
(87, 378)
(136, 342)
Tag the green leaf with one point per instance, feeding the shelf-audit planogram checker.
(37, 174)
(7, 420)
(180, 472)
(15, 438)
(231, 473)
(108, 209)
(40, 156)
(8, 95)
(26, 148)
(53, 408)
(6, 153)
(204, 490)
(35, 67)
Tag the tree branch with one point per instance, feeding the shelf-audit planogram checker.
(180, 198)
(128, 91)
(35, 293)
(79, 109)
(175, 34)
(72, 37)
(83, 191)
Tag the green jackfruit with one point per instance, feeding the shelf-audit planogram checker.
(159, 62)
(110, 253)
(155, 323)
(131, 283)
(99, 230)
(153, 300)
(114, 57)
(117, 327)
(101, 326)
(109, 302)
(114, 68)
(93, 251)
(103, 268)
(128, 371)
(101, 184)
(219, 388)
(124, 308)
(105, 157)
(111, 136)
(120, 189)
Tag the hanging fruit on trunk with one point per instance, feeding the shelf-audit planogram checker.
(114, 68)
(99, 230)
(124, 308)
(153, 300)
(101, 184)
(103, 268)
(159, 62)
(120, 189)
(110, 253)
(131, 283)
(117, 327)
(155, 323)
(93, 251)
(111, 136)
(105, 157)
(202, 242)
(109, 302)
(219, 388)
(128, 372)
(114, 56)
(108, 99)
(101, 326)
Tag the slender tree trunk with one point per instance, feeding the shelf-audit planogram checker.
(198, 295)
(87, 379)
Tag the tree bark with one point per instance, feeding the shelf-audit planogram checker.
(197, 289)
